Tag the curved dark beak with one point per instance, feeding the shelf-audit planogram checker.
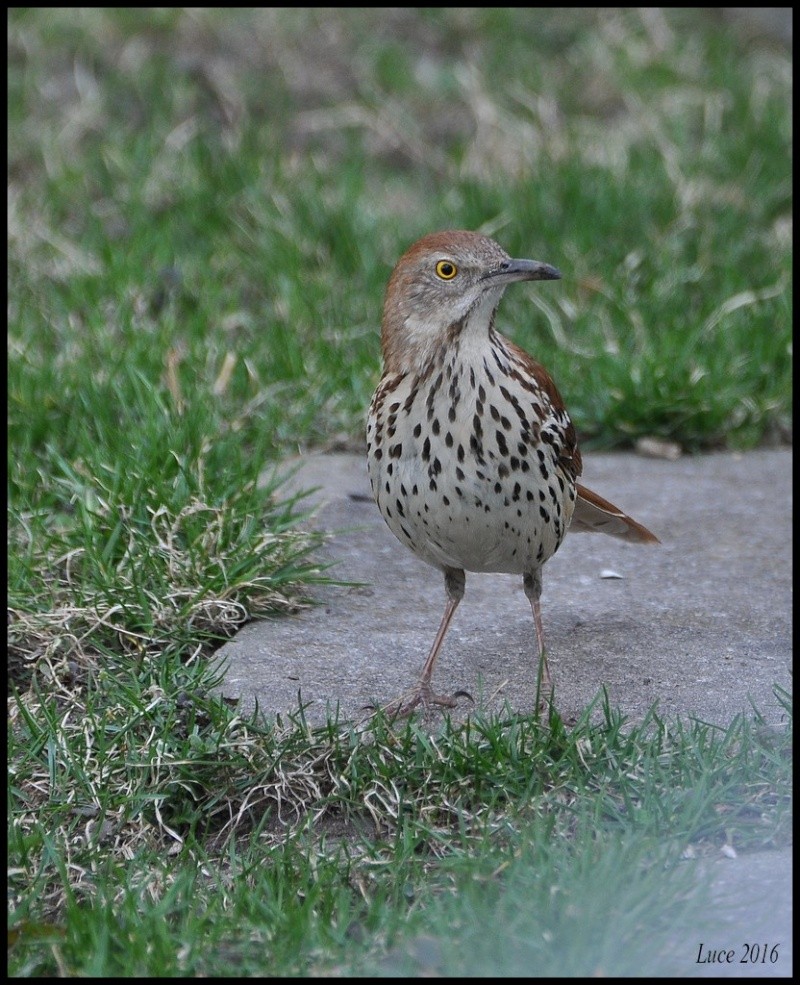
(513, 270)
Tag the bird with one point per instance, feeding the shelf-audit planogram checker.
(472, 457)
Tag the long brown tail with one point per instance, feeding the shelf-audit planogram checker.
(595, 514)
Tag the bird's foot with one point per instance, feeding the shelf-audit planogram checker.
(422, 695)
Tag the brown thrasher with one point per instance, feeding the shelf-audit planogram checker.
(472, 456)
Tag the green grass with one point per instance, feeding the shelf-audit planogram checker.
(204, 208)
(156, 832)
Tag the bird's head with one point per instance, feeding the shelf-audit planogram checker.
(446, 284)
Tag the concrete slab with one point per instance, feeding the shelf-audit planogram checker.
(749, 926)
(700, 624)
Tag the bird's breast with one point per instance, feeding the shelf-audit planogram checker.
(464, 461)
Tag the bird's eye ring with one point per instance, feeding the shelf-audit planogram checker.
(446, 269)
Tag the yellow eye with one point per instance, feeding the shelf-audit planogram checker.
(446, 270)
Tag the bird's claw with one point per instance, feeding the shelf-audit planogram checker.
(423, 694)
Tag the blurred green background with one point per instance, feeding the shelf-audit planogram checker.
(211, 201)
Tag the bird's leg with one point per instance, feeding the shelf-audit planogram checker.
(423, 693)
(532, 583)
(454, 586)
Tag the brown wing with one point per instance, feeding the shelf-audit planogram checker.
(595, 514)
(532, 376)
